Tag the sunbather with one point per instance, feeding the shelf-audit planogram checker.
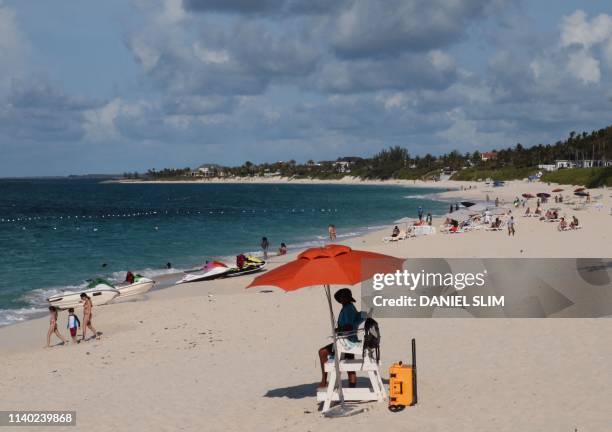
(496, 223)
(562, 225)
(348, 320)
(395, 232)
(574, 223)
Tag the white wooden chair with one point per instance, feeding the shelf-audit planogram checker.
(367, 363)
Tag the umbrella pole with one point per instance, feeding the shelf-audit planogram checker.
(336, 359)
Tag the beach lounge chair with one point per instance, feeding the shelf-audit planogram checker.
(367, 363)
(422, 230)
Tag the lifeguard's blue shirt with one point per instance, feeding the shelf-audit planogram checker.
(349, 316)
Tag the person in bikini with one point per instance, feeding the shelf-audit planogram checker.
(53, 327)
(87, 316)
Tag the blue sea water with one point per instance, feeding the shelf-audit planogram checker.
(55, 234)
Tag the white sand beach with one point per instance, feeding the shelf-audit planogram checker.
(213, 356)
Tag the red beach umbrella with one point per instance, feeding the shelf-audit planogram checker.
(557, 190)
(527, 195)
(580, 189)
(329, 265)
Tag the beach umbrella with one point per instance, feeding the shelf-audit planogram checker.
(326, 266)
(580, 189)
(543, 195)
(581, 193)
(557, 190)
(467, 203)
(527, 195)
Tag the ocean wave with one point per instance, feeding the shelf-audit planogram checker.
(12, 316)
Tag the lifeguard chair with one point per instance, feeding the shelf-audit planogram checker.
(365, 361)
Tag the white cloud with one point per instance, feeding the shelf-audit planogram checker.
(441, 61)
(584, 67)
(12, 46)
(465, 133)
(145, 54)
(577, 29)
(100, 123)
(209, 56)
(594, 39)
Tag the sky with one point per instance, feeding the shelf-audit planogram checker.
(128, 85)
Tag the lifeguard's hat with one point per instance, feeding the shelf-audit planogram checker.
(344, 292)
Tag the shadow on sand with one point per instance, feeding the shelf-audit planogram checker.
(302, 391)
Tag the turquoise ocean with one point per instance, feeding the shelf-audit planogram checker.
(56, 234)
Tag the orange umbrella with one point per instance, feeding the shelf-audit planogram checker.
(557, 190)
(329, 265)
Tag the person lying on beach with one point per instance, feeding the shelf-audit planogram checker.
(395, 231)
(87, 316)
(53, 327)
(348, 320)
(282, 250)
(73, 325)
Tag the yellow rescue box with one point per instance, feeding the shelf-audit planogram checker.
(403, 383)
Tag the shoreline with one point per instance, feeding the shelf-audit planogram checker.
(32, 311)
(171, 351)
(347, 180)
(449, 192)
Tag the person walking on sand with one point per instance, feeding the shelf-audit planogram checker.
(264, 247)
(428, 219)
(497, 202)
(53, 327)
(511, 226)
(73, 324)
(87, 316)
(420, 213)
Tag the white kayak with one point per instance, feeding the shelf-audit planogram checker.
(99, 295)
(141, 286)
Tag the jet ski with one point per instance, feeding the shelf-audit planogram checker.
(246, 265)
(210, 270)
(99, 291)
